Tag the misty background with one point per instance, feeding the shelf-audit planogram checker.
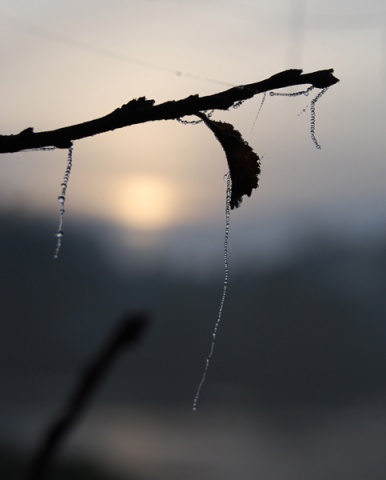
(296, 386)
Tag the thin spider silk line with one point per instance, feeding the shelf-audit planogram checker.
(62, 199)
(226, 273)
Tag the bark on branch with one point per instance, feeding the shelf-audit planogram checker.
(142, 110)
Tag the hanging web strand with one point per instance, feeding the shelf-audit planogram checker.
(258, 112)
(62, 200)
(226, 271)
(39, 149)
(312, 110)
(312, 107)
(292, 94)
(194, 122)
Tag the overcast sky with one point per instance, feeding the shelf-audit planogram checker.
(67, 62)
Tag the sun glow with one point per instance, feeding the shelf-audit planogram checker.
(145, 202)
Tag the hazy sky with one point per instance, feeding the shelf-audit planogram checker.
(67, 62)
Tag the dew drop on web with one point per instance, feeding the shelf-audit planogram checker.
(225, 285)
(312, 108)
(313, 114)
(292, 94)
(62, 199)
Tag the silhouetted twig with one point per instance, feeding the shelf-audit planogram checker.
(142, 110)
(128, 332)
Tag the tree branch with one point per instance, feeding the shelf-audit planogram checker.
(128, 332)
(142, 110)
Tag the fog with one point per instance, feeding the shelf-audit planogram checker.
(298, 364)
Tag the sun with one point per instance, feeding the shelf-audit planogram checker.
(144, 202)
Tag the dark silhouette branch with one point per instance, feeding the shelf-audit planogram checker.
(142, 110)
(129, 330)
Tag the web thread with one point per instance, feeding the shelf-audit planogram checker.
(225, 285)
(62, 199)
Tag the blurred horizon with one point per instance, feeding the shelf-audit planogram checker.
(339, 281)
(298, 364)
